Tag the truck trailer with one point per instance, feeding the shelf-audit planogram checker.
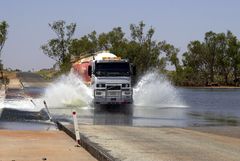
(109, 77)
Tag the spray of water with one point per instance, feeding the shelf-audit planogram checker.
(155, 90)
(68, 90)
(152, 90)
(18, 103)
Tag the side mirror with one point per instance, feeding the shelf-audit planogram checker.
(89, 70)
(134, 70)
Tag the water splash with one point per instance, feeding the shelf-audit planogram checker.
(155, 90)
(68, 90)
(24, 105)
(152, 90)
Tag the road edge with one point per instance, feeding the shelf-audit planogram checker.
(96, 151)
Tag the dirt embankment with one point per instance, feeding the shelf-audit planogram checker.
(10, 75)
(13, 81)
(40, 145)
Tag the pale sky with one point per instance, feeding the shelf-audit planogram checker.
(176, 21)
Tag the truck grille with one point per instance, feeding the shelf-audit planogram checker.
(113, 93)
(113, 87)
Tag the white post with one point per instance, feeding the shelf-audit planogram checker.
(75, 122)
(45, 104)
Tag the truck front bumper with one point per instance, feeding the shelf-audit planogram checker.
(113, 100)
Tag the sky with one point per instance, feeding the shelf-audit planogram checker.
(176, 21)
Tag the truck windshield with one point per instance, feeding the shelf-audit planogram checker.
(112, 69)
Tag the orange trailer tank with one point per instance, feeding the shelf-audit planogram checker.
(81, 68)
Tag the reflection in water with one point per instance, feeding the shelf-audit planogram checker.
(161, 116)
(9, 114)
(124, 115)
(113, 115)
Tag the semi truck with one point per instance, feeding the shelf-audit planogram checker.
(109, 76)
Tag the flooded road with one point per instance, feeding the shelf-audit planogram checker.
(221, 112)
(198, 107)
(18, 112)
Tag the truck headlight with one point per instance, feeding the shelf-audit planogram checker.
(125, 85)
(100, 85)
(126, 93)
(100, 93)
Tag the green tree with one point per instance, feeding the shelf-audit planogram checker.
(211, 47)
(80, 46)
(3, 38)
(86, 44)
(94, 40)
(234, 53)
(113, 41)
(58, 48)
(118, 43)
(223, 64)
(143, 50)
(116, 38)
(3, 35)
(171, 54)
(216, 59)
(195, 61)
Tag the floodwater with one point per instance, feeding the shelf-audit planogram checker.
(157, 104)
(203, 107)
(212, 106)
(18, 112)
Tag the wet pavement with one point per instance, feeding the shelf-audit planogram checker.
(28, 125)
(17, 112)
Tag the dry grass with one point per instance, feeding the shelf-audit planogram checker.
(10, 75)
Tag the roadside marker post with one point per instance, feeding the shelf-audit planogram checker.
(75, 122)
(33, 103)
(45, 104)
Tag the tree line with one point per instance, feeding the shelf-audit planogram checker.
(214, 61)
(141, 49)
